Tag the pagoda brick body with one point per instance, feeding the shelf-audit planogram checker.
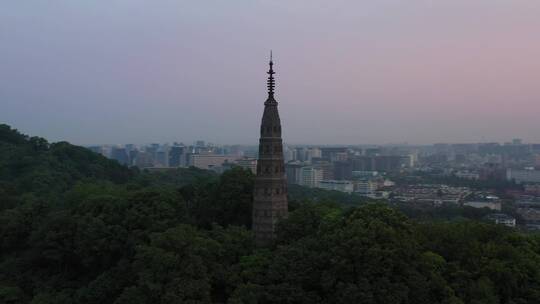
(270, 192)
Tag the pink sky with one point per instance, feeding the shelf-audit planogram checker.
(377, 71)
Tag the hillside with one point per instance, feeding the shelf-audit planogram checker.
(33, 166)
(78, 228)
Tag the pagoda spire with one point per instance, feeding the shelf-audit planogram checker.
(270, 203)
(271, 83)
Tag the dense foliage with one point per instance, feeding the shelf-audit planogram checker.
(96, 232)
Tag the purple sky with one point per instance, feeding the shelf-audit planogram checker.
(377, 71)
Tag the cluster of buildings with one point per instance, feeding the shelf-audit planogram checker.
(433, 194)
(346, 169)
(511, 161)
(200, 155)
(361, 169)
(370, 170)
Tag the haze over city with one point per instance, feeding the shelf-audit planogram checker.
(358, 72)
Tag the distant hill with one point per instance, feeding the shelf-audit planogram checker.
(31, 165)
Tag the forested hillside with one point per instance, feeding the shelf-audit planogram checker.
(78, 228)
(30, 166)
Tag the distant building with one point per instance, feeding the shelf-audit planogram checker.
(434, 194)
(120, 155)
(143, 160)
(493, 205)
(207, 161)
(310, 176)
(366, 188)
(492, 171)
(342, 170)
(530, 213)
(386, 163)
(331, 153)
(288, 154)
(337, 185)
(161, 159)
(365, 174)
(339, 157)
(523, 176)
(533, 189)
(312, 153)
(248, 163)
(293, 172)
(326, 167)
(467, 175)
(177, 157)
(537, 161)
(501, 218)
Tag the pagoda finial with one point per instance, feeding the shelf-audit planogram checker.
(271, 82)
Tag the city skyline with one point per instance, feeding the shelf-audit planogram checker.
(367, 73)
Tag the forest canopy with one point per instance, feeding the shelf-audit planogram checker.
(76, 227)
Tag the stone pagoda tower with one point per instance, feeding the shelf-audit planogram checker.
(270, 192)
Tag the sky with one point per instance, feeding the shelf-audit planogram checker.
(348, 72)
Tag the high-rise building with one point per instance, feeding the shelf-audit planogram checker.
(270, 192)
(120, 155)
(177, 156)
(330, 153)
(143, 160)
(161, 159)
(292, 170)
(326, 167)
(343, 170)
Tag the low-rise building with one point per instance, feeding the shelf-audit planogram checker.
(366, 188)
(208, 161)
(248, 163)
(467, 175)
(337, 185)
(434, 194)
(502, 218)
(493, 205)
(483, 200)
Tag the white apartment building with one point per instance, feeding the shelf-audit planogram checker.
(310, 176)
(337, 185)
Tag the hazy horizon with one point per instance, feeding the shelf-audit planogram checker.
(348, 72)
